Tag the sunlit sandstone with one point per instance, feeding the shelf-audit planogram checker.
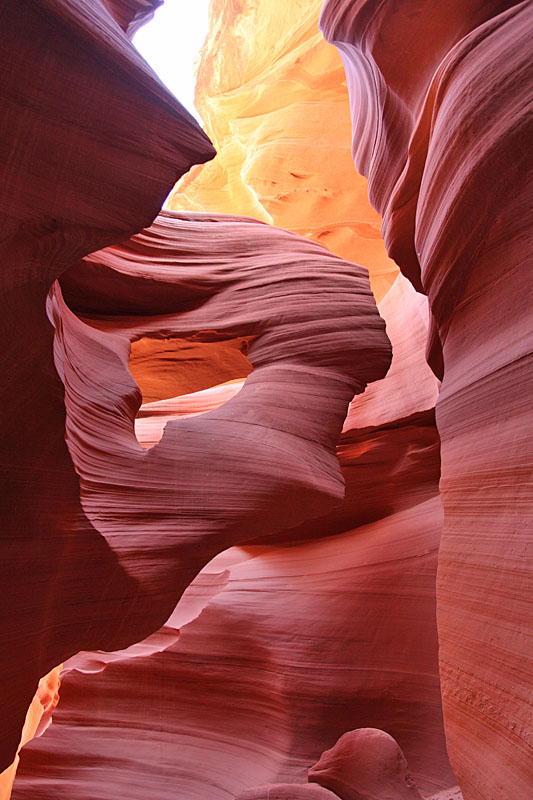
(273, 96)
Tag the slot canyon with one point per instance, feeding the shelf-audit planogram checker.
(265, 401)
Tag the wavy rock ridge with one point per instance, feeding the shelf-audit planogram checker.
(445, 142)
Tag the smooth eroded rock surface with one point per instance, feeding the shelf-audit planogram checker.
(82, 118)
(299, 644)
(245, 556)
(263, 461)
(442, 127)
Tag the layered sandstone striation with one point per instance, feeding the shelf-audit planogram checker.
(81, 120)
(300, 637)
(442, 128)
(287, 791)
(277, 666)
(273, 96)
(146, 521)
(313, 344)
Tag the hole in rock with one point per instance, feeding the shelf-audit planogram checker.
(181, 378)
(171, 46)
(167, 366)
(178, 376)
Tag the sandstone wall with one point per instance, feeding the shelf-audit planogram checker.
(442, 127)
(80, 121)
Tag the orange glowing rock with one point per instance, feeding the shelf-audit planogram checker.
(273, 96)
(38, 719)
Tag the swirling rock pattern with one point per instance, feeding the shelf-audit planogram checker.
(442, 127)
(288, 632)
(321, 626)
(285, 615)
(316, 338)
(299, 644)
(273, 96)
(313, 328)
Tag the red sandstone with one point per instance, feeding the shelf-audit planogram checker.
(442, 128)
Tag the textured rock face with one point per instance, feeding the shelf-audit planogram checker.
(437, 115)
(280, 662)
(273, 95)
(80, 122)
(365, 764)
(287, 791)
(296, 644)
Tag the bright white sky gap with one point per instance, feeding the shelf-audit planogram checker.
(170, 43)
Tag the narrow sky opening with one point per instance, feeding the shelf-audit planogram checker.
(171, 42)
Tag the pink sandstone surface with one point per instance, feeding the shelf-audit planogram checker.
(442, 128)
(308, 362)
(365, 764)
(111, 565)
(278, 665)
(287, 791)
(283, 646)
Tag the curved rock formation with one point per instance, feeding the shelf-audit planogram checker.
(289, 631)
(274, 617)
(299, 645)
(315, 339)
(273, 96)
(247, 344)
(309, 336)
(81, 120)
(152, 417)
(442, 128)
(365, 764)
(121, 295)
